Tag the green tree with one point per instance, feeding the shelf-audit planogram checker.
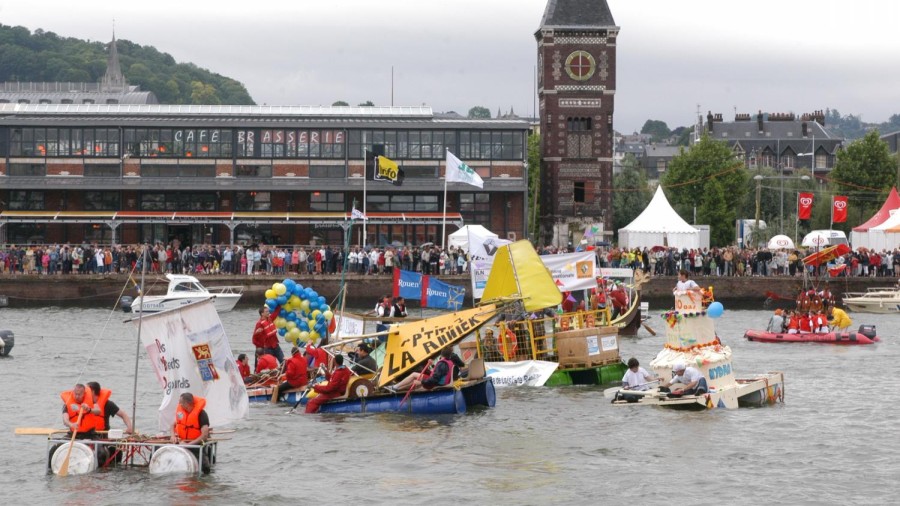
(631, 194)
(479, 112)
(367, 103)
(204, 94)
(699, 174)
(340, 103)
(864, 171)
(659, 130)
(534, 185)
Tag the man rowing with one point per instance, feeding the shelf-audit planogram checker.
(80, 414)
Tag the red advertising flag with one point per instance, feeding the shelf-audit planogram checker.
(839, 209)
(804, 206)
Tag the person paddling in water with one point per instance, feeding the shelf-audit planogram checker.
(691, 379)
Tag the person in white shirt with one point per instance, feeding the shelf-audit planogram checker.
(636, 377)
(691, 378)
(685, 284)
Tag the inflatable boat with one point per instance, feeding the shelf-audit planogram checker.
(865, 335)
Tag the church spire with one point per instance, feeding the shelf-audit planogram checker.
(113, 80)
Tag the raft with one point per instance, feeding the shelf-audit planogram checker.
(865, 335)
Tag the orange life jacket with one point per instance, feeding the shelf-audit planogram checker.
(187, 425)
(88, 420)
(100, 422)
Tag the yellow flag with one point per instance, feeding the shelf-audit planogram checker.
(387, 170)
(414, 342)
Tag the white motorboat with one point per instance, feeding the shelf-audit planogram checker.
(185, 290)
(885, 300)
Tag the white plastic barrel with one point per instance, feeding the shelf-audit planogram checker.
(82, 461)
(173, 459)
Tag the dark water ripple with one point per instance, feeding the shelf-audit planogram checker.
(834, 441)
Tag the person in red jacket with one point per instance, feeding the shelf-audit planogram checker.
(243, 365)
(336, 387)
(294, 372)
(264, 361)
(265, 335)
(318, 355)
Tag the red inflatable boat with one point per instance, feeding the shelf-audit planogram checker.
(865, 335)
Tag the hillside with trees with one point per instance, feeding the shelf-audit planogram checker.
(46, 56)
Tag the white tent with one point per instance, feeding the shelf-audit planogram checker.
(460, 238)
(659, 225)
(883, 237)
(781, 242)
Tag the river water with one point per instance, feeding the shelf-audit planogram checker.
(831, 442)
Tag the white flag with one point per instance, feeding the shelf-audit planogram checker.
(356, 214)
(459, 171)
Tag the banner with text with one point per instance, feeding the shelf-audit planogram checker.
(482, 248)
(528, 373)
(839, 209)
(189, 352)
(433, 292)
(572, 271)
(804, 206)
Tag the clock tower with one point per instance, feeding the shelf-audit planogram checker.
(576, 86)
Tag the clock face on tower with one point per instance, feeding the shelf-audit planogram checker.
(580, 65)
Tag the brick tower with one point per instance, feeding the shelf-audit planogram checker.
(576, 86)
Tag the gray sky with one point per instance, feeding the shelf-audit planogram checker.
(774, 55)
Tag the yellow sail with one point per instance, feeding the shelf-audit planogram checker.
(412, 343)
(519, 272)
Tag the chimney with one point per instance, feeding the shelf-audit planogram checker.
(805, 129)
(759, 121)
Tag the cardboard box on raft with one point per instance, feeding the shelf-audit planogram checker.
(468, 350)
(592, 346)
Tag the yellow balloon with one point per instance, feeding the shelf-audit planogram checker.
(280, 322)
(279, 288)
(328, 315)
(294, 301)
(270, 294)
(304, 336)
(294, 333)
(304, 305)
(289, 339)
(313, 335)
(315, 314)
(291, 325)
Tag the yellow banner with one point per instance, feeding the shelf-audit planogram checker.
(387, 169)
(414, 342)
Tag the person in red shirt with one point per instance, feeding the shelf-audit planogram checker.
(265, 335)
(619, 300)
(336, 387)
(243, 365)
(264, 361)
(318, 355)
(294, 372)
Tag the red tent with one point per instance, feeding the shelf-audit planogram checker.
(892, 202)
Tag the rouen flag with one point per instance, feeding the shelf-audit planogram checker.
(839, 209)
(804, 206)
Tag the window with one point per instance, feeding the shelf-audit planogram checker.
(661, 165)
(102, 201)
(475, 208)
(27, 169)
(402, 203)
(788, 161)
(178, 171)
(327, 171)
(97, 233)
(26, 233)
(252, 201)
(26, 200)
(578, 191)
(326, 201)
(178, 201)
(95, 170)
(578, 145)
(579, 124)
(253, 171)
(821, 161)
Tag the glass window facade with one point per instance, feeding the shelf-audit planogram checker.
(177, 201)
(252, 201)
(327, 201)
(102, 201)
(26, 200)
(402, 203)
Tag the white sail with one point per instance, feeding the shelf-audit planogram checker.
(189, 352)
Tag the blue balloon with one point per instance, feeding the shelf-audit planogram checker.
(271, 303)
(282, 331)
(281, 300)
(715, 310)
(313, 305)
(322, 301)
(290, 316)
(303, 325)
(289, 284)
(313, 294)
(324, 308)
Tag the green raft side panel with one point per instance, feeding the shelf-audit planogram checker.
(598, 375)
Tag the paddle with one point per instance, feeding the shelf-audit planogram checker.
(37, 431)
(609, 393)
(650, 330)
(274, 399)
(64, 469)
(412, 387)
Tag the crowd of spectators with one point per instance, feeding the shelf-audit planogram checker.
(64, 259)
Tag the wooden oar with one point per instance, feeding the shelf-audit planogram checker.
(274, 399)
(37, 431)
(64, 469)
(609, 393)
(650, 330)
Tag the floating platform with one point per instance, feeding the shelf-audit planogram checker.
(762, 390)
(159, 456)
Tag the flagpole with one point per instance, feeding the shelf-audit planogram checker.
(444, 219)
(365, 177)
(831, 226)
